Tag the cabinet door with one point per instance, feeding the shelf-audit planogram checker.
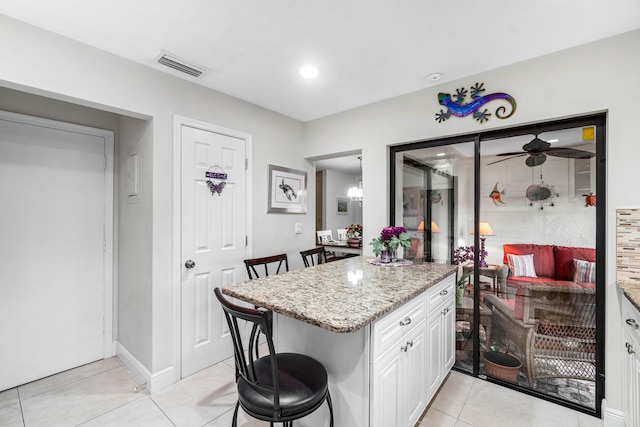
(415, 367)
(449, 336)
(631, 382)
(636, 386)
(388, 390)
(434, 341)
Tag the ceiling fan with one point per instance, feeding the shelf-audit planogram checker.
(537, 151)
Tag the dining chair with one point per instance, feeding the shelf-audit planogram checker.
(307, 256)
(252, 263)
(278, 387)
(324, 236)
(342, 234)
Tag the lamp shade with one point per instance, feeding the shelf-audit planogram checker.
(485, 230)
(434, 227)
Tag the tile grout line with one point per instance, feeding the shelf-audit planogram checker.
(161, 410)
(24, 423)
(110, 410)
(65, 384)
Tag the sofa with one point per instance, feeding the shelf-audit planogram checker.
(548, 321)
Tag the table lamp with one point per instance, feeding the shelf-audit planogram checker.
(434, 227)
(485, 230)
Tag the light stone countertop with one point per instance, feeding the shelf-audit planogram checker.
(325, 296)
(632, 292)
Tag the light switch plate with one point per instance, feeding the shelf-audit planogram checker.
(298, 228)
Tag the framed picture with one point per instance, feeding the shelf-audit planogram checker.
(342, 206)
(287, 190)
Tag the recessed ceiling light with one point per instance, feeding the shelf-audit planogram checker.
(440, 154)
(553, 140)
(434, 77)
(309, 71)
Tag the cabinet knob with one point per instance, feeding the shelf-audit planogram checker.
(404, 348)
(632, 322)
(445, 311)
(410, 343)
(405, 321)
(444, 292)
(630, 349)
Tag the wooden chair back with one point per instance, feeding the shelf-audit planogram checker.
(308, 259)
(252, 263)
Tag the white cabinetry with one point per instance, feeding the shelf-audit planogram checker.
(403, 342)
(631, 325)
(441, 334)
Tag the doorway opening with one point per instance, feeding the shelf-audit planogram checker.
(335, 210)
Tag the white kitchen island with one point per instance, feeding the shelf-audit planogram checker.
(384, 334)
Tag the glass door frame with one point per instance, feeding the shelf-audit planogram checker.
(599, 122)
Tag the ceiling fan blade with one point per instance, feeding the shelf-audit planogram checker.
(502, 160)
(511, 154)
(570, 153)
(535, 160)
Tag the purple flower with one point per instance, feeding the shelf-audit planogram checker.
(389, 232)
(463, 254)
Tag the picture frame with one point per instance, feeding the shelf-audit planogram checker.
(342, 206)
(287, 190)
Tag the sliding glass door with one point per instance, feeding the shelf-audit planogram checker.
(429, 184)
(521, 212)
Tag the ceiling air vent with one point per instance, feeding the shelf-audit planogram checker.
(180, 65)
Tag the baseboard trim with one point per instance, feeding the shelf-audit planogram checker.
(611, 417)
(154, 382)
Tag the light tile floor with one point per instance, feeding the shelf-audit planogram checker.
(102, 394)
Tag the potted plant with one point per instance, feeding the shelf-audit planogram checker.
(461, 255)
(354, 235)
(387, 244)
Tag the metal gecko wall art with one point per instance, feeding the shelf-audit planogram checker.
(455, 104)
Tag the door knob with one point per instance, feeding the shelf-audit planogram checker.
(189, 264)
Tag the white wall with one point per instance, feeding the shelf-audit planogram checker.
(135, 248)
(336, 185)
(39, 62)
(596, 77)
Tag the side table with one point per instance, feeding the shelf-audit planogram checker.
(464, 312)
(490, 270)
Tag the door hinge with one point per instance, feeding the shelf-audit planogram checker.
(246, 164)
(105, 162)
(246, 241)
(104, 245)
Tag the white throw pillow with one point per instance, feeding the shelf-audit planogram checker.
(521, 265)
(584, 271)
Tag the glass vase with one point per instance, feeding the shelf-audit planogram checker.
(384, 256)
(393, 254)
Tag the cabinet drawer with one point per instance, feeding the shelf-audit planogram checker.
(440, 292)
(388, 330)
(631, 319)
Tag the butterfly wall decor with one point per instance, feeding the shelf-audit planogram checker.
(216, 172)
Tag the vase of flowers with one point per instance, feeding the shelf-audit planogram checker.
(391, 238)
(354, 235)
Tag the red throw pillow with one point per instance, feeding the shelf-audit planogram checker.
(564, 260)
(543, 259)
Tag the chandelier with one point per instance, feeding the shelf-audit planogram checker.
(355, 193)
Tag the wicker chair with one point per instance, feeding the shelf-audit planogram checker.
(555, 336)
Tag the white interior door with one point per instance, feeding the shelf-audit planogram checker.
(213, 237)
(53, 192)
